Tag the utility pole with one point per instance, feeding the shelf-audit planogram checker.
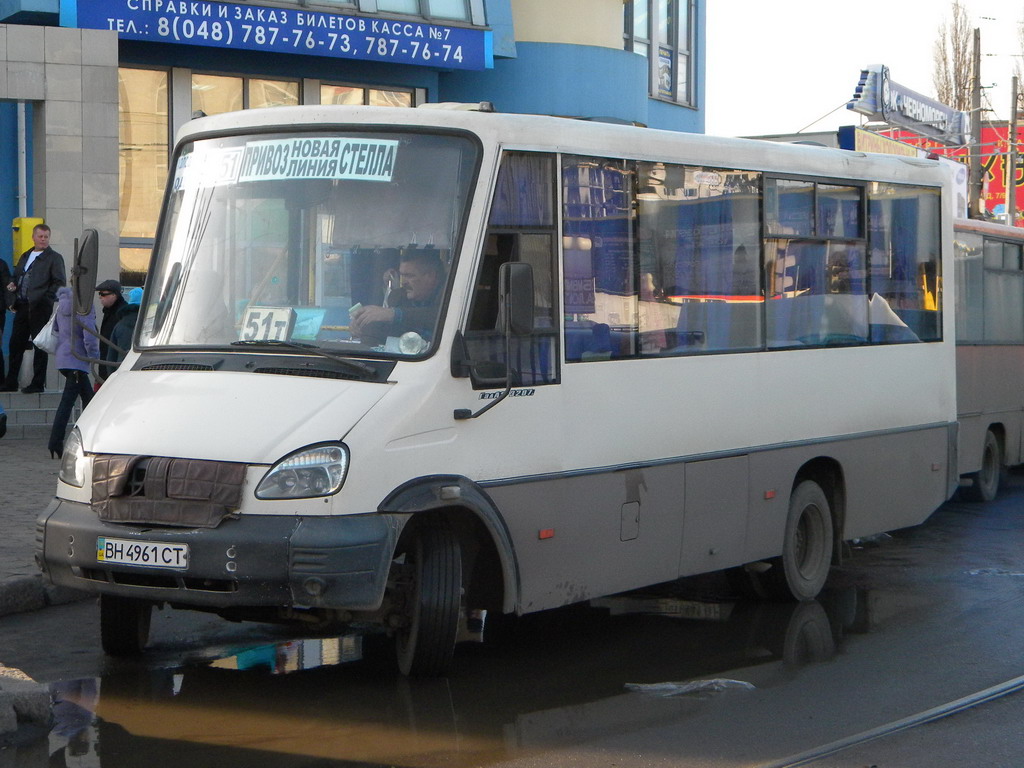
(1011, 160)
(975, 176)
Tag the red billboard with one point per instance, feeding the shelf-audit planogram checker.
(995, 146)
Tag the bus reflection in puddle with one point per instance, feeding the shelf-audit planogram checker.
(561, 679)
(296, 655)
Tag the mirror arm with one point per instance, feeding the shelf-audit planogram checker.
(467, 413)
(94, 360)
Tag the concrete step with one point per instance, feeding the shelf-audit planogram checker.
(30, 417)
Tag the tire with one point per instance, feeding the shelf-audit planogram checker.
(808, 638)
(432, 602)
(124, 625)
(985, 482)
(800, 573)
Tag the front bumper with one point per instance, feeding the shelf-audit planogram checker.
(338, 562)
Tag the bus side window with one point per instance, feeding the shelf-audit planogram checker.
(498, 249)
(521, 229)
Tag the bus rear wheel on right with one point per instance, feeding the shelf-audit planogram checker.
(985, 482)
(802, 569)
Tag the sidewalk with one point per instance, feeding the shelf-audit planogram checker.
(28, 477)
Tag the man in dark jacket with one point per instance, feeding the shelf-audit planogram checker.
(113, 304)
(124, 328)
(37, 276)
(421, 280)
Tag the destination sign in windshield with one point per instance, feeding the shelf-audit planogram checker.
(309, 157)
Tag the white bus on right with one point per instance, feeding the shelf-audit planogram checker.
(989, 362)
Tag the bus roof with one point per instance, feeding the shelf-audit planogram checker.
(574, 136)
(990, 228)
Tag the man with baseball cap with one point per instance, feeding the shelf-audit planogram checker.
(110, 297)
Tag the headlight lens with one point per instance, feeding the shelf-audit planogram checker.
(73, 461)
(315, 471)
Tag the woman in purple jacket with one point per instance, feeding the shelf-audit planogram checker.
(72, 340)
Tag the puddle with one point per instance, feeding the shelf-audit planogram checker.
(561, 678)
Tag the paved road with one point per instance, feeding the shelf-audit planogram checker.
(28, 477)
(943, 616)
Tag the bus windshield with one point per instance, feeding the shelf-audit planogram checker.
(342, 240)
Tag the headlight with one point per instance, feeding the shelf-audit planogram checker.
(73, 461)
(315, 471)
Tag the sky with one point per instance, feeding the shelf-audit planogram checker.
(788, 66)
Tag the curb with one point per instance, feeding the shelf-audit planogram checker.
(30, 593)
(25, 709)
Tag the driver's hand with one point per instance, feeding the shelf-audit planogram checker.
(364, 315)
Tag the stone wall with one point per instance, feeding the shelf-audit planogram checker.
(68, 77)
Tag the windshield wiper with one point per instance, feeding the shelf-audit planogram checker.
(355, 365)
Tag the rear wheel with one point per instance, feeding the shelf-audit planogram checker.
(124, 625)
(801, 571)
(431, 587)
(985, 482)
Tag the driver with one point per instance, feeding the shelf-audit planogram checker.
(420, 275)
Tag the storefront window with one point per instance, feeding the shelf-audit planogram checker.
(353, 95)
(379, 98)
(214, 94)
(273, 93)
(342, 94)
(144, 138)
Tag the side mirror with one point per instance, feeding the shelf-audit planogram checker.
(83, 273)
(515, 297)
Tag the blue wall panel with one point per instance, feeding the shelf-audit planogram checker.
(9, 183)
(555, 78)
(572, 80)
(8, 174)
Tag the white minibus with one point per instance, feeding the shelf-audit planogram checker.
(411, 368)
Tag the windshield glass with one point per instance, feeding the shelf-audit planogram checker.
(342, 240)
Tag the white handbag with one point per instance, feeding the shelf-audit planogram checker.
(46, 339)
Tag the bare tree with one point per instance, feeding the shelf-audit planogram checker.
(952, 76)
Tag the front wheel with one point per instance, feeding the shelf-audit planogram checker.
(801, 571)
(124, 625)
(432, 598)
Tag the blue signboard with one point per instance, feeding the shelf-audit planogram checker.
(878, 97)
(285, 30)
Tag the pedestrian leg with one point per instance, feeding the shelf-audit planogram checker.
(20, 340)
(60, 420)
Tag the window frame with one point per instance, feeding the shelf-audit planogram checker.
(679, 47)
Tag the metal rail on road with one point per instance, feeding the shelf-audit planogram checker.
(928, 716)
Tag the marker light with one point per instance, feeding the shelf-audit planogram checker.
(315, 471)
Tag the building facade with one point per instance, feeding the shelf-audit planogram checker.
(92, 91)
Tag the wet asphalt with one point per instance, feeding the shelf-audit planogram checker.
(910, 624)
